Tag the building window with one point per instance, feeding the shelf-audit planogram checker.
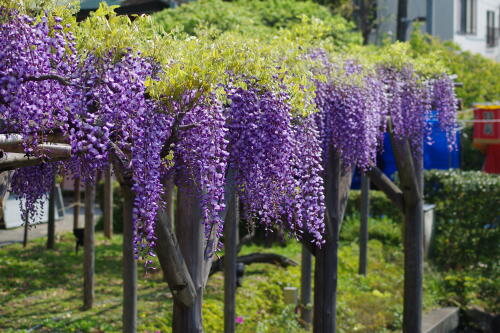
(491, 38)
(468, 13)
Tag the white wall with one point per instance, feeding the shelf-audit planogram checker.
(477, 42)
(446, 23)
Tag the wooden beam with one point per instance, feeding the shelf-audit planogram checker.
(230, 257)
(12, 161)
(386, 185)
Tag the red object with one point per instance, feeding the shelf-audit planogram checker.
(492, 161)
(485, 132)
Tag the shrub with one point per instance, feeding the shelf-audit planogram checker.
(383, 229)
(380, 205)
(254, 18)
(467, 218)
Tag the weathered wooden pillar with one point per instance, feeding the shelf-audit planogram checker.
(108, 203)
(76, 204)
(51, 227)
(89, 251)
(337, 182)
(190, 235)
(410, 167)
(414, 252)
(230, 257)
(305, 287)
(26, 229)
(363, 230)
(129, 315)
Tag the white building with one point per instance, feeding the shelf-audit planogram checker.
(472, 24)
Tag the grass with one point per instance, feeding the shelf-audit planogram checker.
(41, 290)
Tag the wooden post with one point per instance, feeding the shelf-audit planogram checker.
(108, 203)
(410, 168)
(26, 228)
(230, 257)
(363, 230)
(76, 204)
(190, 234)
(51, 227)
(414, 252)
(305, 287)
(402, 17)
(337, 183)
(89, 255)
(129, 265)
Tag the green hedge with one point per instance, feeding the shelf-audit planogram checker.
(380, 206)
(467, 218)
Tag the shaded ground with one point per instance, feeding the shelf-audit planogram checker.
(41, 291)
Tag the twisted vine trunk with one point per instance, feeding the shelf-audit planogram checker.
(337, 182)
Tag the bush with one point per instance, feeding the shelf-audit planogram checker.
(383, 229)
(254, 18)
(472, 158)
(380, 205)
(467, 218)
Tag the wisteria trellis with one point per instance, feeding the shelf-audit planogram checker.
(100, 103)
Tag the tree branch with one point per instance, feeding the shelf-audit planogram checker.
(45, 77)
(254, 258)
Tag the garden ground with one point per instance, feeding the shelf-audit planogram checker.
(41, 290)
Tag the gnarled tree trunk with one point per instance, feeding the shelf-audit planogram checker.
(190, 232)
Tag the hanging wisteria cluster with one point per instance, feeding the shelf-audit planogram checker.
(100, 104)
(278, 163)
(351, 112)
(411, 100)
